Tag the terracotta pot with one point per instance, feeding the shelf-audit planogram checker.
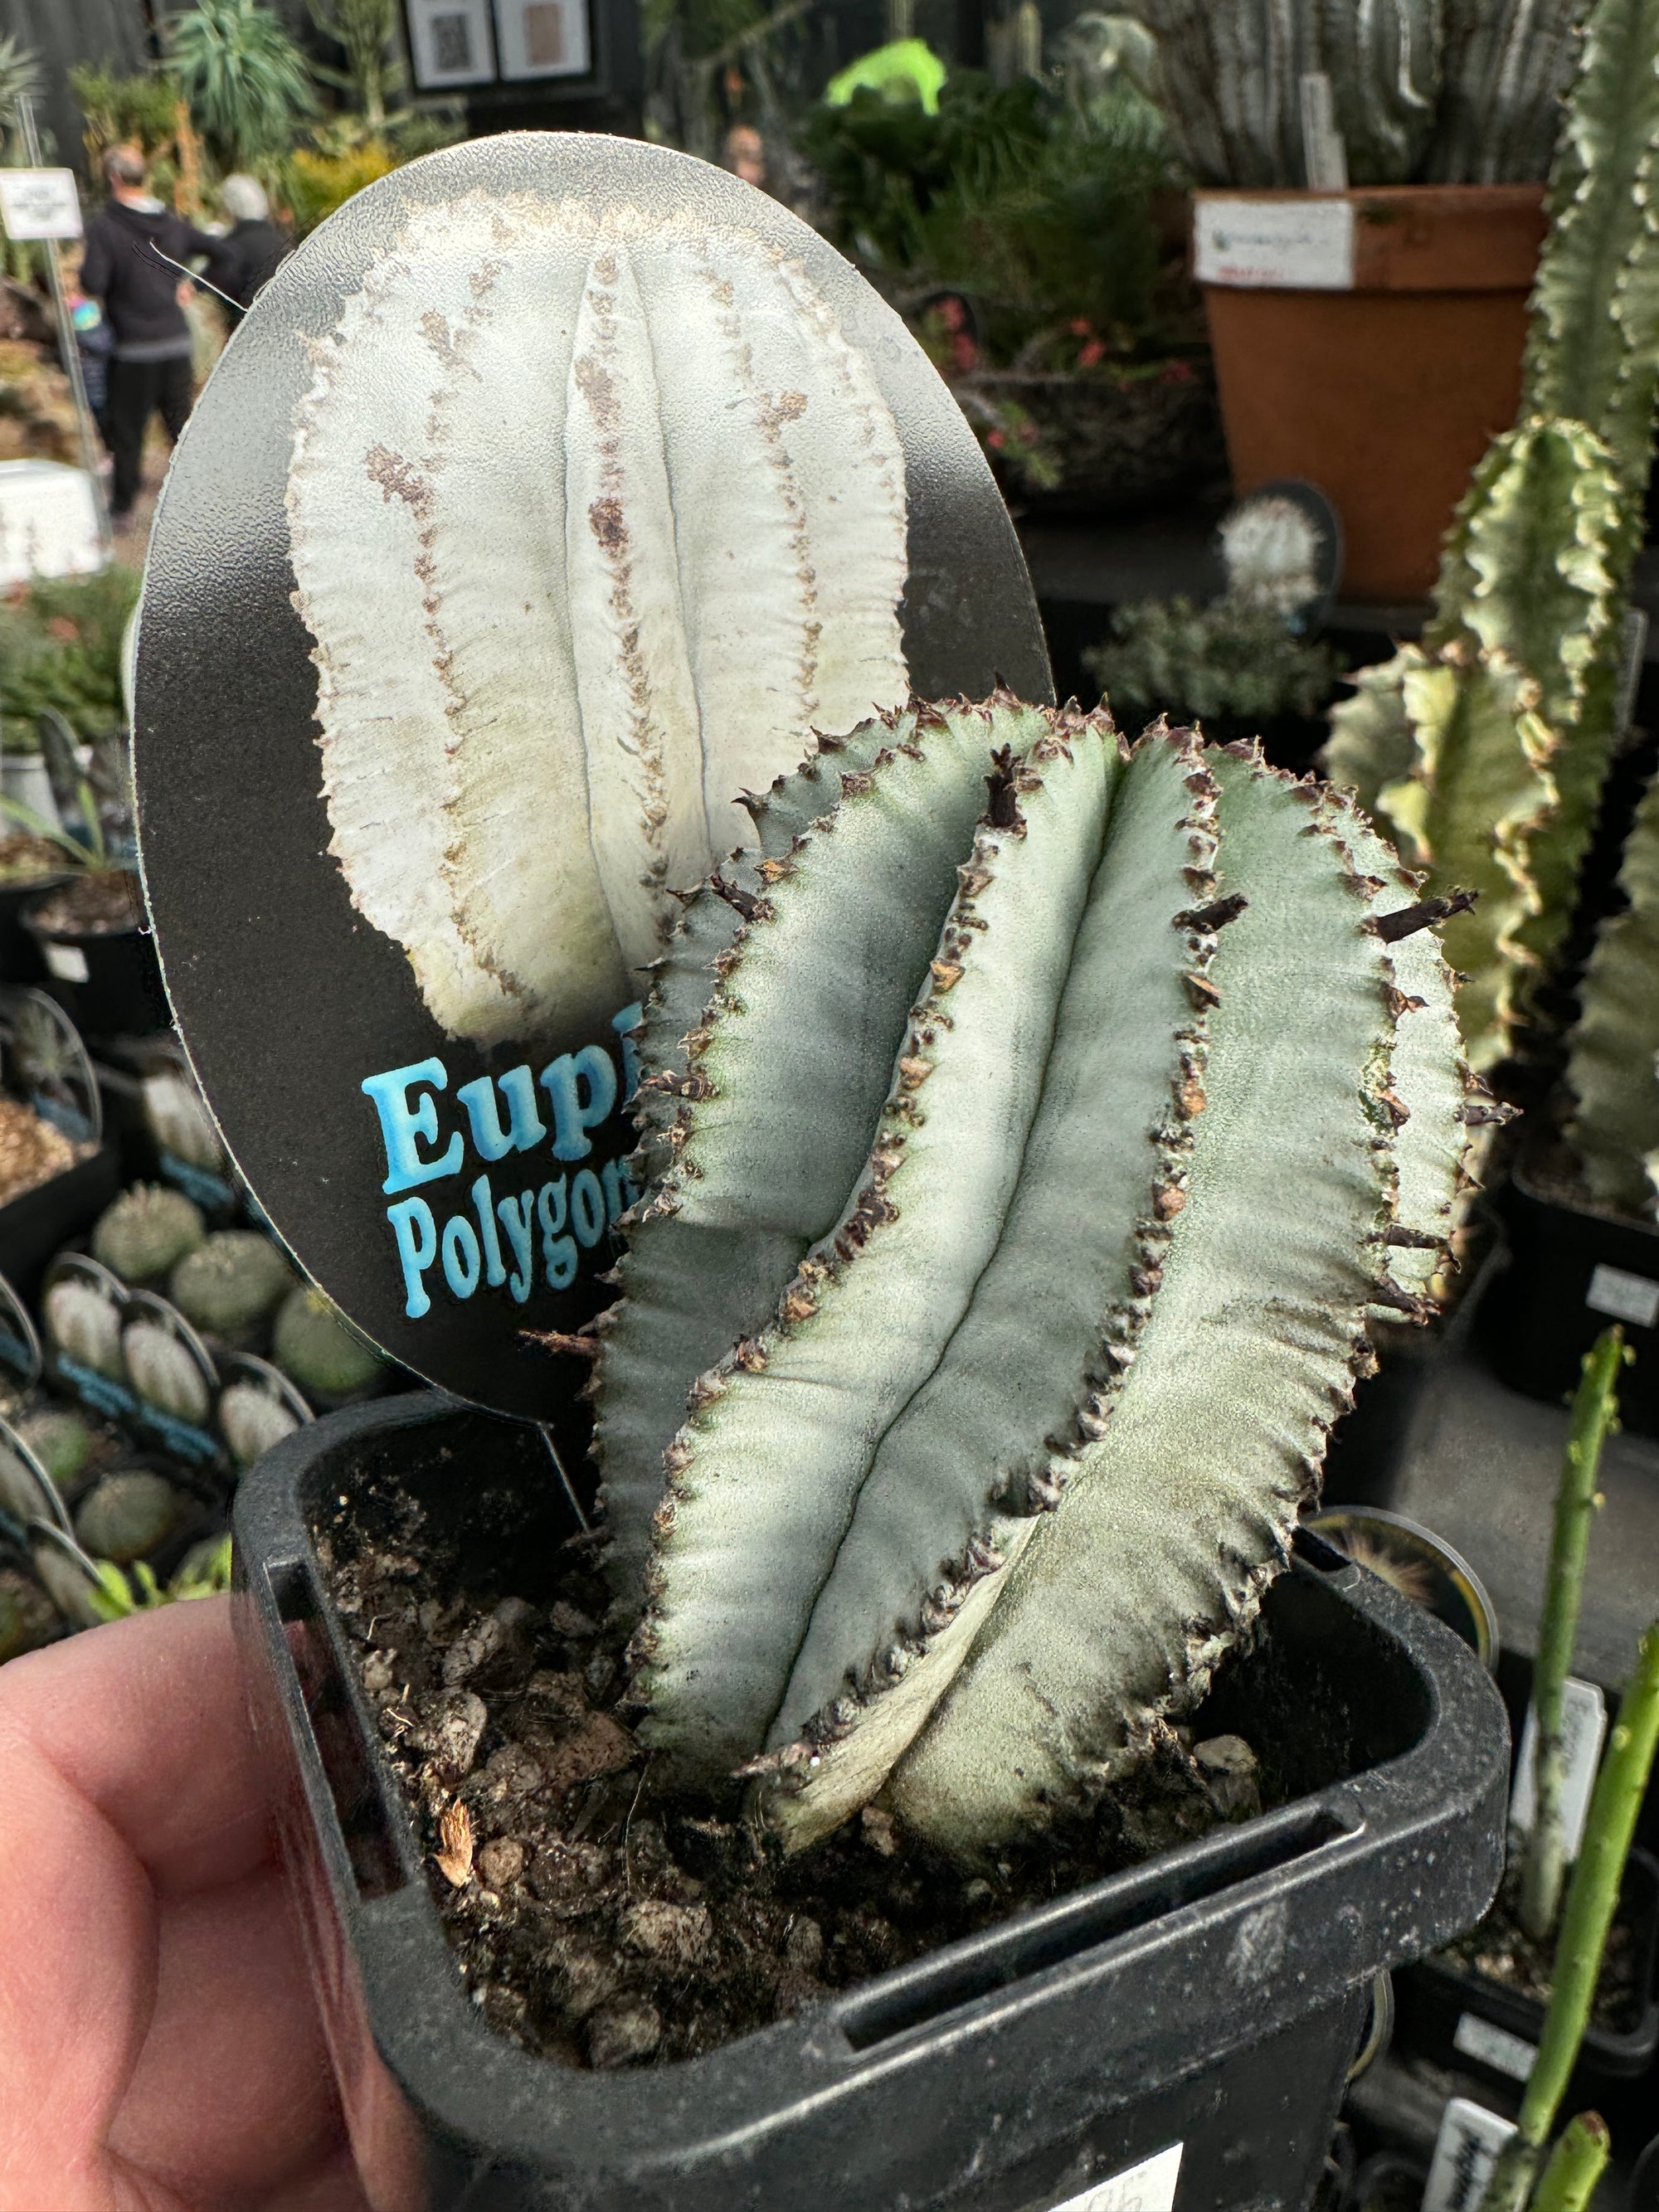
(1383, 378)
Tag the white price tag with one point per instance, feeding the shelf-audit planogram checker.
(1296, 244)
(1623, 1297)
(1584, 1725)
(40, 203)
(1148, 2187)
(1465, 2152)
(1494, 2046)
(66, 962)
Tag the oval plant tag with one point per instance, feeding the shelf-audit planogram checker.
(555, 492)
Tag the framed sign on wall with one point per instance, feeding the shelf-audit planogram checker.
(455, 44)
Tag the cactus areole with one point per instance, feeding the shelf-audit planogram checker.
(560, 489)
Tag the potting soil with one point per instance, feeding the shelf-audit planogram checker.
(32, 1151)
(1501, 1951)
(602, 1925)
(99, 903)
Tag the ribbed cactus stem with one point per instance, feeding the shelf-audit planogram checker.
(1577, 2164)
(1592, 1899)
(1594, 1411)
(1610, 1067)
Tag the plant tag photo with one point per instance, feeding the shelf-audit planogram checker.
(1465, 2152)
(1297, 241)
(1623, 1297)
(1148, 2187)
(538, 517)
(1494, 2046)
(1583, 1726)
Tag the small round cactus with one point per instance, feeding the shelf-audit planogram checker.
(85, 1326)
(61, 1440)
(27, 1616)
(146, 1232)
(252, 1420)
(230, 1284)
(316, 1345)
(127, 1514)
(163, 1373)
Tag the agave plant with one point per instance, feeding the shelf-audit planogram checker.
(241, 75)
(695, 604)
(1022, 1178)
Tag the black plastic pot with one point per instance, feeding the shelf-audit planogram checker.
(109, 982)
(1435, 1999)
(35, 1224)
(21, 958)
(1212, 1998)
(1571, 1273)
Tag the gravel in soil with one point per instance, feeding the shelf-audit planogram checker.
(98, 902)
(600, 1925)
(24, 859)
(1501, 1951)
(30, 1151)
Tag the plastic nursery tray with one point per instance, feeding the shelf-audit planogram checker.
(36, 1223)
(1212, 1998)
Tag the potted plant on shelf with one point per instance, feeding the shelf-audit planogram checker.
(91, 931)
(1366, 234)
(986, 1083)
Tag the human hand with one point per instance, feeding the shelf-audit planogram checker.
(160, 2047)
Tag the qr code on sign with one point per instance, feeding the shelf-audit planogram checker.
(452, 42)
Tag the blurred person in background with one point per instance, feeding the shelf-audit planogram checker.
(127, 265)
(245, 260)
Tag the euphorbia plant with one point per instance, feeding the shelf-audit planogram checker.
(1021, 1177)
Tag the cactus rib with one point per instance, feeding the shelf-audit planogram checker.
(1610, 1068)
(1174, 1521)
(765, 1474)
(748, 1186)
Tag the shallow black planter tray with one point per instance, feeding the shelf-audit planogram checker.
(1536, 1321)
(1434, 1997)
(1212, 1998)
(36, 1223)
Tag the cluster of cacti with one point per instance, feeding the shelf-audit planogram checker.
(971, 1368)
(317, 1348)
(1458, 91)
(1611, 1066)
(230, 1284)
(142, 1237)
(1484, 748)
(695, 604)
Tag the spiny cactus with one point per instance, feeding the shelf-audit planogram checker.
(146, 1232)
(313, 1344)
(1534, 574)
(252, 1420)
(1460, 91)
(958, 1220)
(162, 1371)
(521, 400)
(231, 1283)
(84, 1325)
(1610, 1070)
(60, 1439)
(128, 1514)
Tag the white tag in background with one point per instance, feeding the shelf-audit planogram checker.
(1148, 2187)
(1465, 2152)
(1296, 244)
(1494, 2046)
(1623, 1297)
(1584, 1725)
(66, 962)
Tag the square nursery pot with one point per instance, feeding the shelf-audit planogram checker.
(1572, 1271)
(1212, 1998)
(1460, 2020)
(109, 982)
(36, 1223)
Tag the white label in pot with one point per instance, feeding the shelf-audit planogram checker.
(1297, 244)
(1148, 2187)
(1465, 2152)
(1494, 2046)
(1584, 1724)
(66, 962)
(1625, 1297)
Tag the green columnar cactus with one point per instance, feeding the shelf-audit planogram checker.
(1507, 63)
(1577, 2164)
(313, 1346)
(231, 1283)
(1611, 1068)
(146, 1232)
(966, 1201)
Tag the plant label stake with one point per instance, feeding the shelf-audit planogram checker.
(557, 491)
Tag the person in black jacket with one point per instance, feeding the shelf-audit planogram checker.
(245, 260)
(127, 264)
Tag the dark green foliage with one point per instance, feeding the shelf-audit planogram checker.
(1223, 662)
(242, 76)
(1032, 201)
(60, 646)
(142, 110)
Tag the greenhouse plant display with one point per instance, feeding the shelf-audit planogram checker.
(921, 1138)
(57, 1173)
(1367, 260)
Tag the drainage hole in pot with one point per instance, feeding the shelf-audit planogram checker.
(370, 1847)
(895, 2010)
